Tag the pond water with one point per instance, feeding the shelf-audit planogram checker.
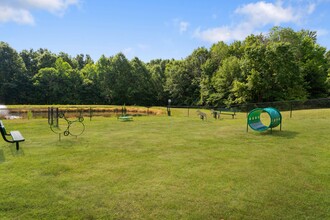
(3, 111)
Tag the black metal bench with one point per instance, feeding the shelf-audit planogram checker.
(223, 111)
(16, 136)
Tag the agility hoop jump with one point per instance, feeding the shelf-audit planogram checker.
(69, 127)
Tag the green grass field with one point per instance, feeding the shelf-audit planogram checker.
(159, 167)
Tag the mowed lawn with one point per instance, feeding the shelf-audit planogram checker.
(159, 167)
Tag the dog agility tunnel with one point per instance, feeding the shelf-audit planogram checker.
(254, 120)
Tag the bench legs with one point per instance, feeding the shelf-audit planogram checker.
(17, 145)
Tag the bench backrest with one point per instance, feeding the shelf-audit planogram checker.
(227, 109)
(3, 129)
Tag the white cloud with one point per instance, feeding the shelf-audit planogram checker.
(143, 46)
(20, 11)
(262, 13)
(311, 8)
(322, 32)
(20, 16)
(128, 51)
(255, 16)
(183, 26)
(223, 33)
(55, 6)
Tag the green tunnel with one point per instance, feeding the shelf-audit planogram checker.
(255, 122)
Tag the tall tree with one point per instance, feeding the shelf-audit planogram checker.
(90, 92)
(45, 58)
(83, 60)
(70, 82)
(67, 58)
(223, 82)
(30, 58)
(142, 90)
(314, 68)
(309, 56)
(271, 71)
(13, 77)
(47, 87)
(218, 52)
(177, 82)
(103, 69)
(57, 85)
(121, 79)
(328, 77)
(157, 70)
(194, 65)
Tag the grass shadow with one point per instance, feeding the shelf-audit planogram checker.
(16, 153)
(282, 134)
(2, 156)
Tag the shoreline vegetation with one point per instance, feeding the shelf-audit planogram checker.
(85, 109)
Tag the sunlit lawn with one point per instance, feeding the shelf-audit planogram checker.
(159, 167)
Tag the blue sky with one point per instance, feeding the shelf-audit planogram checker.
(151, 29)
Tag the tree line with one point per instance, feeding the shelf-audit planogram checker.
(282, 65)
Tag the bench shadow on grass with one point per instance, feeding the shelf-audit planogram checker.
(16, 153)
(2, 156)
(281, 134)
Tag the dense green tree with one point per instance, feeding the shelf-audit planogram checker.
(116, 79)
(158, 78)
(30, 58)
(271, 71)
(223, 82)
(308, 55)
(47, 87)
(70, 82)
(218, 52)
(283, 65)
(328, 77)
(122, 81)
(45, 59)
(103, 69)
(142, 89)
(314, 68)
(75, 86)
(83, 60)
(57, 85)
(13, 76)
(68, 59)
(254, 69)
(90, 92)
(236, 49)
(177, 82)
(287, 82)
(194, 67)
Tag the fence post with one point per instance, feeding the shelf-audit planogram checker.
(291, 110)
(247, 110)
(90, 113)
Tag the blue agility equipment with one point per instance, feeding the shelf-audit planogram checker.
(254, 121)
